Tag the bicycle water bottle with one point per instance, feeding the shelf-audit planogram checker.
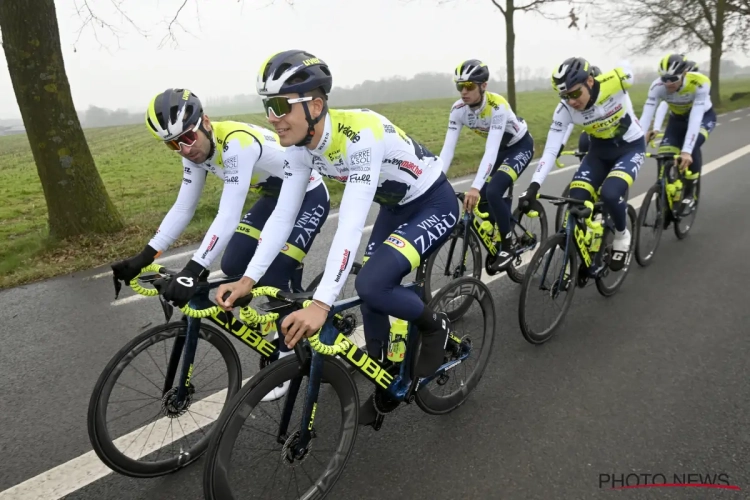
(596, 237)
(397, 341)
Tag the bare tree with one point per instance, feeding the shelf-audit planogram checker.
(665, 25)
(77, 201)
(509, 8)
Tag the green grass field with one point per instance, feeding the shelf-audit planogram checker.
(143, 178)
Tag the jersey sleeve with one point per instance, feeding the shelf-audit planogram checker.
(238, 162)
(567, 133)
(355, 205)
(649, 108)
(451, 139)
(696, 117)
(561, 119)
(661, 114)
(492, 146)
(279, 225)
(178, 217)
(624, 71)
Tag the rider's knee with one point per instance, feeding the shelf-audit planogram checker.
(613, 189)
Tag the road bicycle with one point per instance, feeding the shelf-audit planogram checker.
(313, 420)
(586, 238)
(477, 230)
(185, 403)
(662, 206)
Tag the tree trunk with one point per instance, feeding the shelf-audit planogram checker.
(77, 202)
(716, 50)
(510, 45)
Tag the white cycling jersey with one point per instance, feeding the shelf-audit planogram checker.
(245, 157)
(375, 160)
(693, 98)
(493, 120)
(611, 116)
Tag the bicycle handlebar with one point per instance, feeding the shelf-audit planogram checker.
(248, 315)
(657, 136)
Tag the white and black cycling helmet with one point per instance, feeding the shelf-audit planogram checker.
(571, 72)
(673, 66)
(471, 70)
(172, 113)
(293, 71)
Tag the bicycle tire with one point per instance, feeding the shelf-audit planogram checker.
(215, 477)
(554, 242)
(437, 405)
(647, 259)
(560, 211)
(103, 444)
(356, 267)
(604, 289)
(682, 234)
(476, 255)
(513, 272)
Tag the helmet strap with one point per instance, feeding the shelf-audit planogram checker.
(311, 122)
(593, 92)
(210, 136)
(481, 98)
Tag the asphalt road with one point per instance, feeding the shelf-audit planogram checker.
(650, 381)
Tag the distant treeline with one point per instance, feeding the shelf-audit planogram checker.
(394, 89)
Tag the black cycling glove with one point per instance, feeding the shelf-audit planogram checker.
(528, 198)
(128, 269)
(183, 286)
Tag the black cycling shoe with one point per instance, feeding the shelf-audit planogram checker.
(432, 350)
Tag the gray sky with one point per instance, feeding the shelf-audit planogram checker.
(231, 39)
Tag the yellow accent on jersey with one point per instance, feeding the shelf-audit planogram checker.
(690, 86)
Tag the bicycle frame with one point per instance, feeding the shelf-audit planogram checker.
(400, 387)
(186, 346)
(471, 223)
(575, 231)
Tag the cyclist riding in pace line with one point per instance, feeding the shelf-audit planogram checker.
(244, 157)
(508, 150)
(602, 105)
(377, 162)
(692, 117)
(583, 139)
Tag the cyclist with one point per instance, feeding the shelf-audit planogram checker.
(583, 139)
(692, 117)
(377, 162)
(602, 105)
(663, 109)
(508, 150)
(244, 157)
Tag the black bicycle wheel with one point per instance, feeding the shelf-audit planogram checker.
(607, 290)
(553, 285)
(106, 447)
(651, 208)
(682, 227)
(217, 484)
(522, 240)
(447, 259)
(476, 331)
(560, 212)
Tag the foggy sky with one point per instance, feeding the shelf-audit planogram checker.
(230, 39)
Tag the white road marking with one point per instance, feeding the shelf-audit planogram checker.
(87, 468)
(735, 119)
